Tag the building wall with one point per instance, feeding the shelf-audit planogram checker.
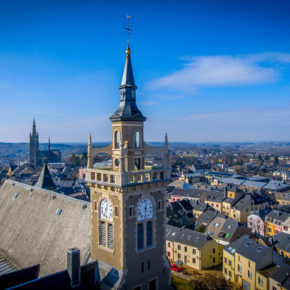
(208, 256)
(256, 224)
(170, 250)
(265, 282)
(246, 265)
(229, 266)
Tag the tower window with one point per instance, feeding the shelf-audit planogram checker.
(110, 236)
(149, 234)
(103, 234)
(137, 140)
(117, 139)
(131, 211)
(137, 164)
(140, 237)
(142, 267)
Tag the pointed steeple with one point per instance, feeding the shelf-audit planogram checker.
(128, 110)
(48, 144)
(33, 127)
(128, 77)
(45, 181)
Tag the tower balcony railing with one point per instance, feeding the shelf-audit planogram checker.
(107, 177)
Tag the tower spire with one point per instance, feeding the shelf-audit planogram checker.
(48, 144)
(128, 110)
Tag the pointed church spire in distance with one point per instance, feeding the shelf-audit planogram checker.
(48, 144)
(33, 127)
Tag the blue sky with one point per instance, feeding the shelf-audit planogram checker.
(205, 70)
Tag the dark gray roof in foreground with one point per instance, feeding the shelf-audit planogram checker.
(186, 236)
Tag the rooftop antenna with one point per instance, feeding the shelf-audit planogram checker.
(128, 28)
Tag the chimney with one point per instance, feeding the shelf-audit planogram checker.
(73, 266)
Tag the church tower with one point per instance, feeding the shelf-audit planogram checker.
(33, 146)
(128, 201)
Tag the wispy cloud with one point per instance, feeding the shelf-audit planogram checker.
(209, 71)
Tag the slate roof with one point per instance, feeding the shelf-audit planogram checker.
(262, 212)
(248, 248)
(48, 224)
(186, 236)
(189, 192)
(254, 184)
(223, 229)
(180, 184)
(45, 181)
(207, 217)
(282, 241)
(233, 181)
(277, 216)
(215, 196)
(128, 110)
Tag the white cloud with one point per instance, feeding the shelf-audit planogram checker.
(205, 71)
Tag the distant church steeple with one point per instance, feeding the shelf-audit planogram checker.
(34, 146)
(48, 146)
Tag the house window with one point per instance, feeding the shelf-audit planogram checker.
(193, 251)
(226, 260)
(185, 249)
(137, 140)
(230, 274)
(249, 274)
(213, 250)
(179, 247)
(168, 244)
(117, 139)
(260, 281)
(230, 262)
(140, 237)
(193, 260)
(239, 268)
(226, 271)
(149, 234)
(213, 260)
(179, 256)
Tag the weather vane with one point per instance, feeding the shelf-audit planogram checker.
(128, 28)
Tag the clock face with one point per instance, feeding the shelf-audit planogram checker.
(106, 210)
(145, 209)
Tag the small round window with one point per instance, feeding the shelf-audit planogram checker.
(117, 162)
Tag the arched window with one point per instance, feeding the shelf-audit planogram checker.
(140, 236)
(137, 140)
(117, 139)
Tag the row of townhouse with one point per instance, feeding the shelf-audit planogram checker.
(235, 203)
(268, 222)
(250, 265)
(192, 248)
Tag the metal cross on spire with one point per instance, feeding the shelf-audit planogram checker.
(128, 28)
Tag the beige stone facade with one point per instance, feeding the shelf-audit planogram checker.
(128, 199)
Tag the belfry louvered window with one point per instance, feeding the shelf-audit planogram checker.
(110, 236)
(140, 237)
(149, 234)
(103, 234)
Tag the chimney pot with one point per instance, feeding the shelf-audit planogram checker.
(73, 266)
